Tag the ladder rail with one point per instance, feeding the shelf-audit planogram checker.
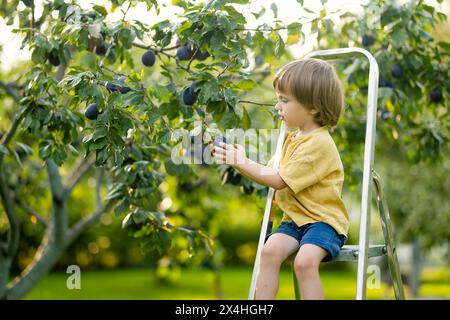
(388, 233)
(268, 212)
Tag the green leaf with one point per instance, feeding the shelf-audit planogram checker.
(101, 10)
(294, 28)
(229, 120)
(157, 216)
(444, 45)
(128, 220)
(16, 155)
(118, 157)
(399, 38)
(44, 151)
(164, 136)
(116, 191)
(160, 92)
(274, 9)
(235, 15)
(4, 150)
(26, 148)
(99, 132)
(73, 150)
(127, 37)
(94, 30)
(279, 46)
(101, 156)
(139, 217)
(165, 240)
(38, 55)
(246, 122)
(122, 206)
(181, 170)
(257, 15)
(87, 138)
(246, 84)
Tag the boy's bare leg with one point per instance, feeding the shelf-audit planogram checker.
(306, 266)
(277, 248)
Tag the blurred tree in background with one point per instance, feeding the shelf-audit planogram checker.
(141, 86)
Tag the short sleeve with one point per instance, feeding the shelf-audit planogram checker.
(298, 172)
(308, 164)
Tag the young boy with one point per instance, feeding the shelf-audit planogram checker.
(309, 181)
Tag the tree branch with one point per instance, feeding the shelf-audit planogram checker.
(10, 91)
(161, 51)
(30, 211)
(257, 103)
(98, 181)
(82, 168)
(14, 233)
(16, 122)
(59, 202)
(125, 13)
(86, 222)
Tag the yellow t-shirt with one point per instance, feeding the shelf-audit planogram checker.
(311, 167)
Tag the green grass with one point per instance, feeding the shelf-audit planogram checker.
(198, 284)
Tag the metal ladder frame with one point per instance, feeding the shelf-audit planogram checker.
(369, 144)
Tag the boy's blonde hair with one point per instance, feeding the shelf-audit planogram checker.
(315, 84)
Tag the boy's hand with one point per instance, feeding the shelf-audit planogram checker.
(229, 154)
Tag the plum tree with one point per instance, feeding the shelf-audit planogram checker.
(148, 58)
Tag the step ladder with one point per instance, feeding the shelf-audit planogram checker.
(363, 251)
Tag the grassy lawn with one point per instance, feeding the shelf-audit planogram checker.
(198, 284)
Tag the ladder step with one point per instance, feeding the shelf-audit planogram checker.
(350, 252)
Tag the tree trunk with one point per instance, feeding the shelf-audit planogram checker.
(5, 266)
(45, 258)
(217, 283)
(53, 245)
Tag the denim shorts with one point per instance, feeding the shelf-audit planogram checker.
(319, 233)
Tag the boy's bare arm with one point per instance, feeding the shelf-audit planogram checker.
(261, 174)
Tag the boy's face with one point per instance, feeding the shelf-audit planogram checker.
(292, 112)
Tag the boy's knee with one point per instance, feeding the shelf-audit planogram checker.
(303, 264)
(270, 254)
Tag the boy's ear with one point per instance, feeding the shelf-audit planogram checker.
(313, 111)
